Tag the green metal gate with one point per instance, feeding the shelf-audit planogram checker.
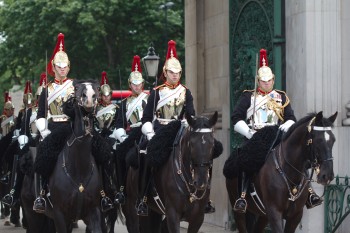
(254, 24)
(337, 204)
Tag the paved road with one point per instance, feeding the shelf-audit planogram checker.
(118, 228)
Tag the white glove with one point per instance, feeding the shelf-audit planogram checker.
(286, 125)
(119, 134)
(147, 130)
(22, 141)
(41, 125)
(242, 128)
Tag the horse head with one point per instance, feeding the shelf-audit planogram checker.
(200, 145)
(81, 107)
(86, 93)
(321, 140)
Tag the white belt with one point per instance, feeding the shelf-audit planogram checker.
(262, 125)
(59, 118)
(164, 121)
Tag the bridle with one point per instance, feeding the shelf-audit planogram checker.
(179, 163)
(295, 192)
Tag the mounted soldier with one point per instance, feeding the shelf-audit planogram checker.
(129, 119)
(28, 133)
(106, 113)
(8, 123)
(258, 108)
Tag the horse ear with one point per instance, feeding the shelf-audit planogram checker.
(332, 118)
(319, 117)
(213, 119)
(189, 119)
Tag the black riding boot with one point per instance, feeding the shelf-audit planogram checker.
(40, 202)
(144, 176)
(241, 204)
(12, 198)
(313, 199)
(106, 202)
(209, 208)
(121, 170)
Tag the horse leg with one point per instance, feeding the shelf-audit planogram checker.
(60, 222)
(93, 222)
(260, 224)
(195, 224)
(292, 222)
(173, 220)
(151, 223)
(240, 220)
(275, 220)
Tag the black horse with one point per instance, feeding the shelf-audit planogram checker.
(182, 182)
(281, 183)
(74, 183)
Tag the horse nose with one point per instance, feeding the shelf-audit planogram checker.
(199, 185)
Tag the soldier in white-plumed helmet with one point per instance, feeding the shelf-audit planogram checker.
(128, 118)
(262, 107)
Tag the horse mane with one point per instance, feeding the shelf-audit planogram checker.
(325, 123)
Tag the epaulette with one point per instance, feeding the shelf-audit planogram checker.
(248, 91)
(156, 88)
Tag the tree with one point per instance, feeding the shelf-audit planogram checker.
(100, 35)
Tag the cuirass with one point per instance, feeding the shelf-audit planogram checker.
(267, 113)
(106, 119)
(174, 106)
(55, 106)
(137, 113)
(9, 126)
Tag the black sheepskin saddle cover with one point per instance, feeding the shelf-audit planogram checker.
(252, 155)
(133, 139)
(160, 146)
(49, 149)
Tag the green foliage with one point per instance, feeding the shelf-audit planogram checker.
(100, 35)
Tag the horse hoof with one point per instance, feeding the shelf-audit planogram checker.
(18, 224)
(7, 223)
(2, 216)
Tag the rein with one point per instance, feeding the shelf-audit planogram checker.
(179, 162)
(295, 193)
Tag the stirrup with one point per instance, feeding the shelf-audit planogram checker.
(119, 198)
(106, 202)
(142, 208)
(209, 208)
(39, 205)
(8, 199)
(313, 200)
(240, 205)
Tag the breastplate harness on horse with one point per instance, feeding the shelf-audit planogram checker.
(295, 190)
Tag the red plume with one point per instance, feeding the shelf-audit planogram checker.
(43, 80)
(171, 50)
(104, 79)
(7, 96)
(60, 39)
(136, 64)
(263, 58)
(28, 88)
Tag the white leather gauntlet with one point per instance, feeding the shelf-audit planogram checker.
(119, 134)
(286, 125)
(242, 128)
(147, 130)
(41, 125)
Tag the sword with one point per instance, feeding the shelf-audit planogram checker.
(255, 84)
